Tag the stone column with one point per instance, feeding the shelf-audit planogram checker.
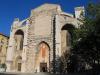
(8, 66)
(58, 43)
(10, 52)
(30, 48)
(25, 48)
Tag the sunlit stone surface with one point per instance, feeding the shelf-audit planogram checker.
(34, 40)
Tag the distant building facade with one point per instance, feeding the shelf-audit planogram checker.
(38, 41)
(3, 48)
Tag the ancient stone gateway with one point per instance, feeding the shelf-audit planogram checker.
(42, 59)
(37, 42)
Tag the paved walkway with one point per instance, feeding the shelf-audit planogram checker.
(42, 73)
(16, 73)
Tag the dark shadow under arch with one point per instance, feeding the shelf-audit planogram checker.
(19, 32)
(68, 27)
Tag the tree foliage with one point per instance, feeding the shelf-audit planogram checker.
(86, 39)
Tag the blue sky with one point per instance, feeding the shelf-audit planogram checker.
(10, 9)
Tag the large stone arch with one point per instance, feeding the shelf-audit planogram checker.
(42, 60)
(19, 39)
(66, 35)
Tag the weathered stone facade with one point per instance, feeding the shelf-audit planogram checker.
(38, 40)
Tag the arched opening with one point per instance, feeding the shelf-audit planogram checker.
(19, 37)
(43, 58)
(18, 63)
(66, 35)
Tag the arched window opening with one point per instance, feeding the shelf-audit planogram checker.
(19, 37)
(66, 36)
(19, 63)
(43, 48)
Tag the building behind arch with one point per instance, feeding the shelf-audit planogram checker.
(3, 48)
(37, 43)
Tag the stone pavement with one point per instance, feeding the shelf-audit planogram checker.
(43, 73)
(16, 73)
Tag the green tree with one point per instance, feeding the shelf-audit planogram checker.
(86, 39)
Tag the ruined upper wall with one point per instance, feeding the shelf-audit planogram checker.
(48, 7)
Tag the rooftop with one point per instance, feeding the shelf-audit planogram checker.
(4, 35)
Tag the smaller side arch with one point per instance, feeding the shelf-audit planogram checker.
(18, 63)
(19, 39)
(66, 37)
(19, 57)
